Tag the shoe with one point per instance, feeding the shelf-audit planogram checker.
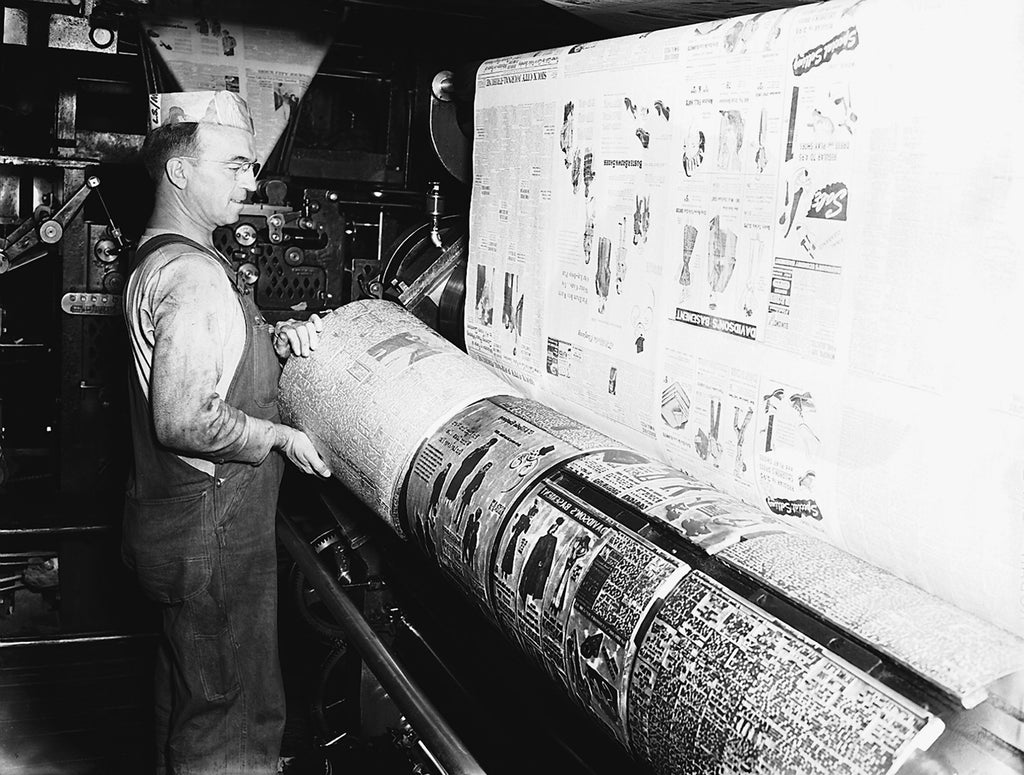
(42, 573)
(304, 764)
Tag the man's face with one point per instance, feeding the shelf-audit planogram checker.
(216, 187)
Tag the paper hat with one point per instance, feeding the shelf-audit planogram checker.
(223, 108)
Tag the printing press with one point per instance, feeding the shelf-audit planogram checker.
(552, 243)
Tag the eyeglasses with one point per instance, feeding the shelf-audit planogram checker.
(238, 168)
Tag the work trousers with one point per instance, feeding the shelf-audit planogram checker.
(208, 556)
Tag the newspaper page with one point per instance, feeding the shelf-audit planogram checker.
(572, 589)
(468, 474)
(270, 66)
(957, 651)
(821, 314)
(512, 193)
(370, 350)
(719, 686)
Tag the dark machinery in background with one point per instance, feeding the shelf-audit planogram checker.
(365, 195)
(350, 175)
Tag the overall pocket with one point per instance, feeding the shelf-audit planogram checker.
(167, 540)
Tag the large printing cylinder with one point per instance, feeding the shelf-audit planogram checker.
(378, 384)
(654, 599)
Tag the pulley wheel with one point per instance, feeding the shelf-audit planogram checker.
(410, 256)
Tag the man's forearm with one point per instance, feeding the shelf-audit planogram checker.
(218, 432)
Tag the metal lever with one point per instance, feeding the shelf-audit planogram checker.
(441, 267)
(32, 238)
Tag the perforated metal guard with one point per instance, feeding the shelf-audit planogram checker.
(282, 287)
(102, 346)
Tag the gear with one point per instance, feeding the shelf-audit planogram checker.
(325, 540)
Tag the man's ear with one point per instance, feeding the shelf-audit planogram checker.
(177, 171)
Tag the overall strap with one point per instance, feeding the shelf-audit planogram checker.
(154, 244)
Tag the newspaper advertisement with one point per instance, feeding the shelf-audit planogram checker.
(368, 349)
(750, 264)
(469, 473)
(269, 66)
(609, 189)
(542, 549)
(572, 590)
(720, 686)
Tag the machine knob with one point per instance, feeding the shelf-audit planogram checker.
(293, 256)
(107, 251)
(443, 86)
(113, 282)
(249, 273)
(245, 235)
(50, 232)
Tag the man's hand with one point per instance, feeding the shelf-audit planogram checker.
(299, 449)
(297, 337)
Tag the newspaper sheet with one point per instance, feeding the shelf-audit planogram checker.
(270, 66)
(467, 475)
(370, 350)
(750, 251)
(718, 686)
(573, 589)
(562, 580)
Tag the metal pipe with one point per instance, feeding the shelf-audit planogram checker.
(422, 715)
(51, 531)
(73, 640)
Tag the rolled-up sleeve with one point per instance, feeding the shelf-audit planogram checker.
(190, 330)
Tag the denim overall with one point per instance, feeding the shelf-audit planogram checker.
(204, 549)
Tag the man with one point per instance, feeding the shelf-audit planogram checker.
(208, 448)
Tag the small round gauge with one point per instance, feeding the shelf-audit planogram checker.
(245, 235)
(101, 37)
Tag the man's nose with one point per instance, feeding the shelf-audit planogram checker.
(247, 180)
